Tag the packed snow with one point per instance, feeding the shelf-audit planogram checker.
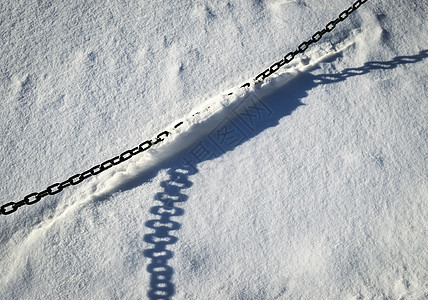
(310, 185)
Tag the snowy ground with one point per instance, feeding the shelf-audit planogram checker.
(310, 186)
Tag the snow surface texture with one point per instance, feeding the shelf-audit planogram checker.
(311, 186)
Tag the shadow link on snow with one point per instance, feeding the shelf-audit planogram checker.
(243, 122)
(161, 286)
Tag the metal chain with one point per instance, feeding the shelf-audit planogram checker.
(305, 45)
(55, 188)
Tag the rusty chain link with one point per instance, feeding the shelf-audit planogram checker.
(56, 188)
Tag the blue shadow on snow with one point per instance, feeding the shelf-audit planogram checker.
(245, 121)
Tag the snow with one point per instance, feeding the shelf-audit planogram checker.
(318, 192)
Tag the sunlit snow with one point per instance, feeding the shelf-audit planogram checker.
(311, 185)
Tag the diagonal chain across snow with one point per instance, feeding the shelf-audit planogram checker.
(197, 124)
(212, 109)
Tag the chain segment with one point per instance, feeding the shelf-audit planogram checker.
(58, 187)
(305, 45)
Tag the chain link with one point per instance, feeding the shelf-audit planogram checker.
(58, 187)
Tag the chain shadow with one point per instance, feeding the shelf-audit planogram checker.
(161, 285)
(244, 121)
(370, 66)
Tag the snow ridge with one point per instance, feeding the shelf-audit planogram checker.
(192, 127)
